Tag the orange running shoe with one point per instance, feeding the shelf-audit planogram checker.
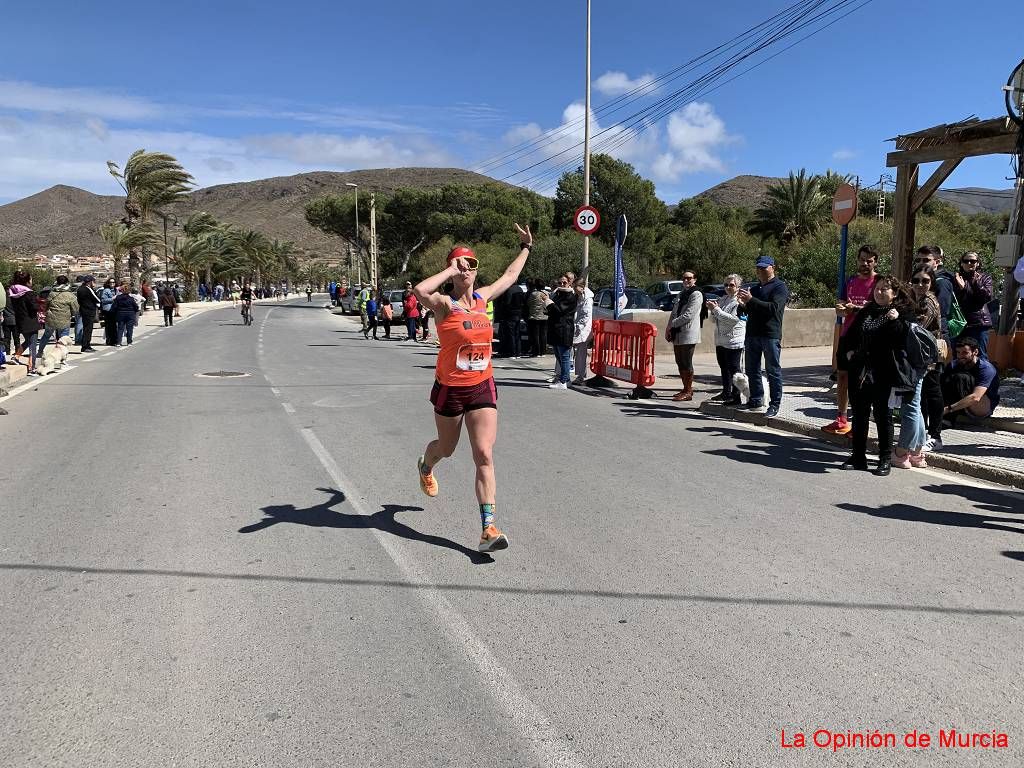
(428, 484)
(491, 540)
(838, 427)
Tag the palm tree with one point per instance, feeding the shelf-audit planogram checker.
(121, 240)
(831, 180)
(255, 247)
(151, 181)
(793, 208)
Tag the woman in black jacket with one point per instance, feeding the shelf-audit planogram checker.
(875, 345)
(25, 304)
(561, 310)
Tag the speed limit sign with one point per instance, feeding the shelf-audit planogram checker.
(586, 220)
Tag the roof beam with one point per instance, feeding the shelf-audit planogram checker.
(927, 189)
(1003, 144)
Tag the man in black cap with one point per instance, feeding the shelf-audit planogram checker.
(88, 304)
(764, 305)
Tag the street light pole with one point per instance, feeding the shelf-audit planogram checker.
(586, 149)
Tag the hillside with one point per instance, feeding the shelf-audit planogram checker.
(67, 219)
(749, 191)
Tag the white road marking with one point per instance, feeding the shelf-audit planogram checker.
(276, 391)
(108, 354)
(288, 407)
(549, 746)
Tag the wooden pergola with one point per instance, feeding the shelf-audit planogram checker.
(949, 144)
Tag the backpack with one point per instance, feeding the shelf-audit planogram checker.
(956, 322)
(922, 349)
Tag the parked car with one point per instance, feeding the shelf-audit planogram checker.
(348, 301)
(664, 292)
(637, 300)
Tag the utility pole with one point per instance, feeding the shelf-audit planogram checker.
(586, 149)
(373, 241)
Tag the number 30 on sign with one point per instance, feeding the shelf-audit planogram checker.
(586, 220)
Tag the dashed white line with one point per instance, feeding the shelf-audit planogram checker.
(549, 746)
(276, 391)
(108, 354)
(288, 407)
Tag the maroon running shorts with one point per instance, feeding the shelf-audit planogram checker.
(455, 401)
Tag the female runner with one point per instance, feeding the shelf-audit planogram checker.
(464, 389)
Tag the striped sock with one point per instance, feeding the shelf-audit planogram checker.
(486, 515)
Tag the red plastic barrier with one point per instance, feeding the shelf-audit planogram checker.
(624, 350)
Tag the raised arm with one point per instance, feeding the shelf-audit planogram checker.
(511, 274)
(428, 290)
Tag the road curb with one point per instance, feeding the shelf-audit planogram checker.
(936, 460)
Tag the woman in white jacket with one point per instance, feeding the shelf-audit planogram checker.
(730, 333)
(581, 332)
(683, 330)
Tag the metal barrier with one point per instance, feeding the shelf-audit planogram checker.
(624, 350)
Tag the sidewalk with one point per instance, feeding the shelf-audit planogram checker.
(994, 452)
(16, 375)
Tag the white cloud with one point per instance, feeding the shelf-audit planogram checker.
(39, 153)
(695, 135)
(618, 83)
(28, 97)
(521, 133)
(844, 154)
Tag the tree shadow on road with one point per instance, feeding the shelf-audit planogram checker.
(990, 500)
(773, 451)
(914, 514)
(322, 516)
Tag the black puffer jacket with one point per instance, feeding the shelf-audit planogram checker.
(877, 349)
(561, 317)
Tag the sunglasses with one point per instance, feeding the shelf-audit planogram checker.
(921, 281)
(968, 261)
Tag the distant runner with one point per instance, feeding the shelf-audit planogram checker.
(464, 389)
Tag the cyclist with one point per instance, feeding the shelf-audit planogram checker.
(464, 389)
(246, 297)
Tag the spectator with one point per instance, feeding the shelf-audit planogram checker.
(387, 314)
(361, 298)
(61, 307)
(970, 386)
(765, 306)
(914, 440)
(512, 318)
(929, 314)
(370, 314)
(178, 298)
(125, 309)
(730, 333)
(582, 327)
(425, 315)
(973, 289)
(561, 311)
(683, 330)
(202, 291)
(536, 318)
(218, 292)
(169, 305)
(25, 305)
(858, 293)
(877, 371)
(411, 311)
(10, 327)
(3, 316)
(109, 321)
(88, 306)
(1018, 275)
(930, 256)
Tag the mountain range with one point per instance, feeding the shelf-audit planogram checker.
(65, 219)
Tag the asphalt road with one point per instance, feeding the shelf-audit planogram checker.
(243, 572)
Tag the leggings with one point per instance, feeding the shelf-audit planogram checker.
(29, 345)
(931, 403)
(867, 398)
(729, 364)
(684, 357)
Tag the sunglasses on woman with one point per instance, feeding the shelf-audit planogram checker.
(921, 281)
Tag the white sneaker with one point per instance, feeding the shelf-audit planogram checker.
(558, 385)
(933, 445)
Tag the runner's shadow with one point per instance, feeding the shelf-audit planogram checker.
(322, 516)
(935, 517)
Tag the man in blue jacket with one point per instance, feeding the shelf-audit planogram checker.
(764, 306)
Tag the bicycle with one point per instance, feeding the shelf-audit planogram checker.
(246, 313)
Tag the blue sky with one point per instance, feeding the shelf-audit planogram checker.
(247, 90)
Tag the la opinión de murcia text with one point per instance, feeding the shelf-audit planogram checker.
(951, 738)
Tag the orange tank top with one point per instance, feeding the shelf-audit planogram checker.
(465, 335)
